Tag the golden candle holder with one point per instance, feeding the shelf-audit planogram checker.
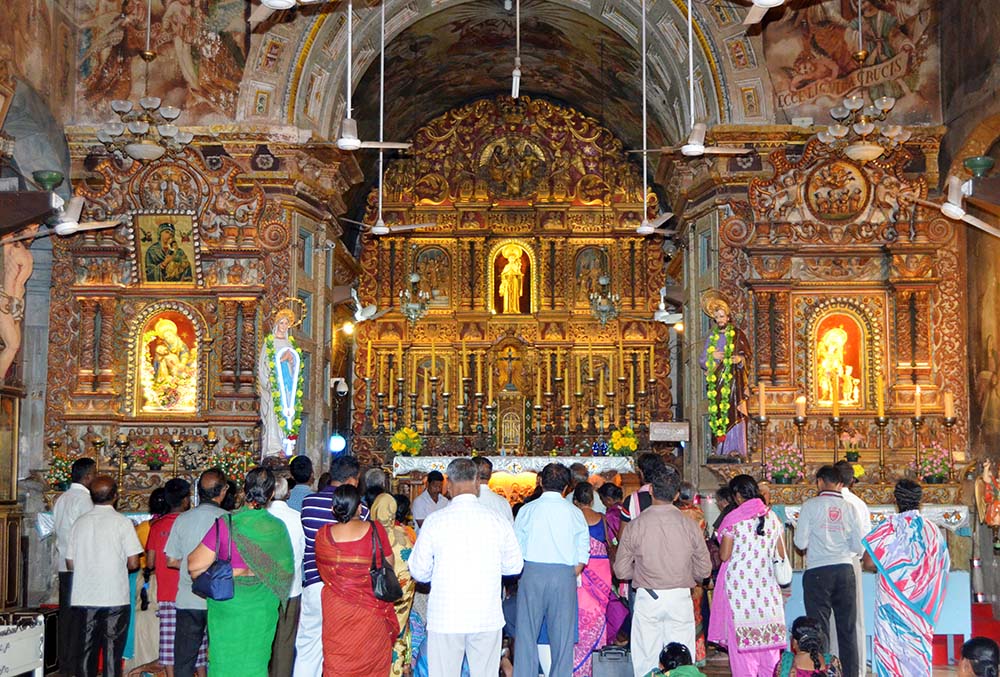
(246, 446)
(882, 422)
(800, 434)
(98, 443)
(949, 425)
(122, 444)
(762, 423)
(837, 423)
(175, 443)
(918, 422)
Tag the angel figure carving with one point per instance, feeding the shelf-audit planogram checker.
(988, 501)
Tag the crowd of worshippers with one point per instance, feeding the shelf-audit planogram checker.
(548, 586)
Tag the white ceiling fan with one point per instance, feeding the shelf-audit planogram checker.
(695, 146)
(266, 8)
(952, 206)
(379, 227)
(363, 312)
(67, 223)
(758, 9)
(515, 85)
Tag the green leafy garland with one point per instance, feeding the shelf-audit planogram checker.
(291, 432)
(719, 386)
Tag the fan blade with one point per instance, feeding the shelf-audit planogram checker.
(661, 149)
(662, 231)
(697, 137)
(73, 210)
(927, 203)
(260, 15)
(403, 227)
(386, 145)
(754, 16)
(661, 219)
(641, 318)
(38, 234)
(379, 314)
(357, 223)
(981, 225)
(96, 225)
(718, 150)
(955, 191)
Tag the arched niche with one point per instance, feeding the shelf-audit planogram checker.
(507, 260)
(842, 349)
(167, 367)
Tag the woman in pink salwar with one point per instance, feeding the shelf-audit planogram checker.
(595, 585)
(748, 616)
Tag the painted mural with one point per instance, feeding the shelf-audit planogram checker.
(984, 342)
(201, 48)
(809, 54)
(36, 44)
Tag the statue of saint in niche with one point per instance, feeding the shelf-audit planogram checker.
(512, 279)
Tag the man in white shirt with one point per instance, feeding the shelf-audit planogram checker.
(487, 496)
(103, 549)
(830, 532)
(431, 499)
(66, 511)
(463, 550)
(846, 469)
(283, 646)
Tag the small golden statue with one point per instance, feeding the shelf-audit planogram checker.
(511, 280)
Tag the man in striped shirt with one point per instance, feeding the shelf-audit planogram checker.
(316, 511)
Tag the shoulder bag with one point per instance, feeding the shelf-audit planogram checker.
(782, 567)
(385, 585)
(216, 582)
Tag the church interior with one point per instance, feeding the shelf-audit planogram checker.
(410, 230)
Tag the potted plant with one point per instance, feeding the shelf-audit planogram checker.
(406, 442)
(59, 475)
(851, 439)
(784, 464)
(934, 464)
(154, 454)
(623, 442)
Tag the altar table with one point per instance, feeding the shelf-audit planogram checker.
(514, 465)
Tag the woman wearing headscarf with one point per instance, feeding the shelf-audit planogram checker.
(383, 511)
(242, 628)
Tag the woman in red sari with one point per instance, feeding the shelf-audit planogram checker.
(358, 629)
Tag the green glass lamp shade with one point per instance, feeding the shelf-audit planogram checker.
(48, 179)
(979, 165)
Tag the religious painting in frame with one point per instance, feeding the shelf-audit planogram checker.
(167, 249)
(167, 363)
(434, 266)
(839, 360)
(591, 264)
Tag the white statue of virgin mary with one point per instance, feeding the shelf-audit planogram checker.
(279, 384)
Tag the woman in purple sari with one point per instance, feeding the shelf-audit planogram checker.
(748, 616)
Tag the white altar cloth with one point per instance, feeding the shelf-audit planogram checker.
(402, 465)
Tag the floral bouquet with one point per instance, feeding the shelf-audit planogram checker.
(851, 439)
(623, 442)
(154, 454)
(232, 460)
(784, 464)
(406, 442)
(59, 475)
(581, 448)
(935, 462)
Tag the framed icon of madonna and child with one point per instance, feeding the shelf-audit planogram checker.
(166, 249)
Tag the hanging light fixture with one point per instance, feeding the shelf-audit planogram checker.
(145, 131)
(856, 132)
(604, 304)
(515, 85)
(412, 300)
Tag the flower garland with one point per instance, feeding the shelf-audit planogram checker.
(719, 386)
(60, 468)
(291, 431)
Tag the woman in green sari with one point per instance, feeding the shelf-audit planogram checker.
(241, 629)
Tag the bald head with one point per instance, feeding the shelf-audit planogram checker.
(103, 490)
(212, 486)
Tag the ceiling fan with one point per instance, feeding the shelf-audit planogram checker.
(661, 314)
(952, 206)
(379, 227)
(363, 312)
(262, 12)
(67, 223)
(758, 9)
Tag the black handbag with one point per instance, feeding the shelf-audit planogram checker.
(216, 582)
(385, 585)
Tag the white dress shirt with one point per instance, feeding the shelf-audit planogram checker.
(463, 550)
(99, 547)
(496, 503)
(67, 510)
(860, 507)
(424, 505)
(293, 522)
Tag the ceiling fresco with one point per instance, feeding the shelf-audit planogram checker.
(467, 52)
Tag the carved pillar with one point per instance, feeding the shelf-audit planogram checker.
(106, 343)
(770, 331)
(85, 347)
(227, 349)
(248, 346)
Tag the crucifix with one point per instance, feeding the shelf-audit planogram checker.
(510, 360)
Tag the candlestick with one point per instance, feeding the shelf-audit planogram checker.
(578, 384)
(579, 410)
(246, 446)
(489, 380)
(548, 373)
(479, 371)
(435, 430)
(399, 356)
(558, 361)
(413, 374)
(642, 369)
(382, 373)
(601, 392)
(427, 388)
(590, 358)
(880, 395)
(400, 402)
(882, 422)
(565, 413)
(800, 406)
(446, 379)
(538, 385)
(390, 388)
(433, 358)
(413, 408)
(368, 364)
(600, 419)
(835, 405)
(463, 372)
(176, 442)
(800, 425)
(380, 407)
(949, 424)
(566, 391)
(917, 423)
(425, 417)
(949, 405)
(762, 399)
(836, 423)
(631, 385)
(368, 426)
(652, 363)
(621, 354)
(762, 422)
(121, 445)
(916, 403)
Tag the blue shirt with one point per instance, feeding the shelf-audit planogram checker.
(297, 495)
(317, 511)
(551, 531)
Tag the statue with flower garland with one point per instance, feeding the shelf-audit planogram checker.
(725, 360)
(279, 385)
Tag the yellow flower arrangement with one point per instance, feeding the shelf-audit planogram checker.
(859, 471)
(406, 442)
(623, 442)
